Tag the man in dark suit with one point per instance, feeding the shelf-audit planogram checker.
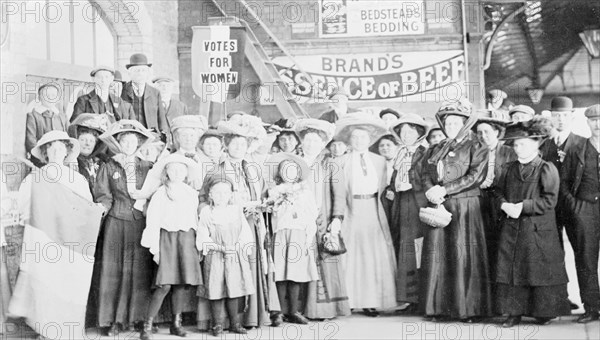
(580, 188)
(145, 99)
(554, 150)
(173, 107)
(101, 101)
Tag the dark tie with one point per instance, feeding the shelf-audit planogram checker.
(363, 164)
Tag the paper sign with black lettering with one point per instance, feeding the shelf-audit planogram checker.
(217, 61)
(394, 76)
(360, 18)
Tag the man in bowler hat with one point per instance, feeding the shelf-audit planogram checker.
(145, 99)
(580, 188)
(554, 150)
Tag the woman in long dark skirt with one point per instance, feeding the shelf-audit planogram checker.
(456, 282)
(124, 276)
(531, 275)
(405, 225)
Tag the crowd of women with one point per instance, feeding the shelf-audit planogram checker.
(248, 224)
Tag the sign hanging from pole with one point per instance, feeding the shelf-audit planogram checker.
(217, 60)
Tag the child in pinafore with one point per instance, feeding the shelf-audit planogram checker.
(226, 238)
(294, 227)
(170, 235)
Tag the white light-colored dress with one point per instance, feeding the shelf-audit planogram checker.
(295, 227)
(226, 274)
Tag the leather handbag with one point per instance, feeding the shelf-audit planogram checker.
(333, 243)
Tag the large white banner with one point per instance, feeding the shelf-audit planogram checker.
(394, 76)
(360, 18)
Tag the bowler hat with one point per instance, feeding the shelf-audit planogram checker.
(561, 104)
(118, 76)
(138, 59)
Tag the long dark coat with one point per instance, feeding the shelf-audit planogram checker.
(529, 252)
(455, 271)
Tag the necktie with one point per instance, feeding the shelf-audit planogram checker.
(363, 164)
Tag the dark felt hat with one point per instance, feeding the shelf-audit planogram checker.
(561, 104)
(538, 127)
(118, 76)
(138, 59)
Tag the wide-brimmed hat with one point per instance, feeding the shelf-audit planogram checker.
(359, 120)
(53, 136)
(138, 59)
(389, 111)
(271, 166)
(592, 111)
(538, 127)
(194, 169)
(102, 68)
(109, 137)
(246, 126)
(317, 124)
(490, 117)
(561, 104)
(189, 121)
(409, 118)
(523, 109)
(92, 121)
(461, 107)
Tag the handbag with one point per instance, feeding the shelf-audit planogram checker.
(333, 243)
(437, 217)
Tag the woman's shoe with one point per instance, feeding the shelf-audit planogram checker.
(297, 318)
(543, 321)
(217, 330)
(511, 321)
(112, 331)
(276, 320)
(588, 317)
(238, 328)
(473, 319)
(371, 312)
